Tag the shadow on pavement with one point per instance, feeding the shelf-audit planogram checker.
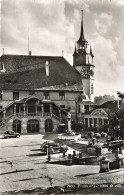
(36, 154)
(36, 150)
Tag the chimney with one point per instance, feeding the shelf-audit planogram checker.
(47, 68)
(30, 53)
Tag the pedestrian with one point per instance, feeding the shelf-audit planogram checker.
(11, 164)
(50, 180)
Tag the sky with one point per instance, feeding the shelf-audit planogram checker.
(53, 26)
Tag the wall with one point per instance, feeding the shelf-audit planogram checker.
(86, 84)
(9, 124)
(7, 95)
(54, 96)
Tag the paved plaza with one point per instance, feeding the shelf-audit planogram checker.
(22, 167)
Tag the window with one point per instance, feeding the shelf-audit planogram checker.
(86, 122)
(15, 95)
(46, 95)
(1, 93)
(2, 68)
(100, 122)
(46, 108)
(90, 122)
(31, 106)
(62, 95)
(92, 88)
(22, 108)
(95, 122)
(86, 108)
(39, 107)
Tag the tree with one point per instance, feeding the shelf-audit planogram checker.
(102, 99)
(116, 121)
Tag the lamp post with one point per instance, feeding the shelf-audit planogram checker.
(76, 102)
(69, 122)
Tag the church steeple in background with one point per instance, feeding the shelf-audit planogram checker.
(83, 54)
(83, 62)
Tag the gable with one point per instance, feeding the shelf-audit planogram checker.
(99, 112)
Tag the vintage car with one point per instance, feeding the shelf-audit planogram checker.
(116, 143)
(52, 148)
(10, 134)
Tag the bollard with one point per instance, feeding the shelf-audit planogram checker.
(104, 165)
(94, 141)
(63, 153)
(69, 156)
(49, 158)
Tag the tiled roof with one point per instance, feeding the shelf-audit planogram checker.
(18, 63)
(32, 74)
(111, 104)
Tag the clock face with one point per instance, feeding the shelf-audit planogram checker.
(86, 72)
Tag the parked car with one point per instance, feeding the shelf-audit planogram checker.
(116, 143)
(52, 148)
(10, 134)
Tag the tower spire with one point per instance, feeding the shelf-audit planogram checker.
(81, 38)
(75, 51)
(91, 53)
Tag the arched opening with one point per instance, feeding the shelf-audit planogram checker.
(31, 106)
(17, 126)
(33, 126)
(48, 125)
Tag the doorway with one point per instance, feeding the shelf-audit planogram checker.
(33, 126)
(17, 126)
(48, 125)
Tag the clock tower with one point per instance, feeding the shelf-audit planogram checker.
(83, 63)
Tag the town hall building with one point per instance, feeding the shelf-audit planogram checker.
(36, 92)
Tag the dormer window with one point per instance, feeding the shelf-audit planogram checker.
(2, 68)
(46, 95)
(62, 95)
(15, 95)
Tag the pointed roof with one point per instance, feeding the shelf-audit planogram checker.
(75, 51)
(91, 53)
(82, 38)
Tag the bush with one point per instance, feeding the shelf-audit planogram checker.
(97, 135)
(77, 127)
(103, 134)
(91, 134)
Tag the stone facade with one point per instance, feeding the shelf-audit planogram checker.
(31, 115)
